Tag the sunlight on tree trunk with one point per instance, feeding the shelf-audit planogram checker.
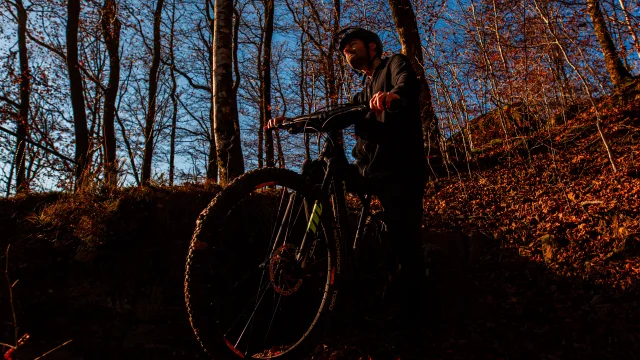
(407, 28)
(618, 73)
(632, 30)
(228, 145)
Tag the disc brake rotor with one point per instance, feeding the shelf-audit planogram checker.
(284, 271)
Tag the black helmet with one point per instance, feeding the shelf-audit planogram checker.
(348, 34)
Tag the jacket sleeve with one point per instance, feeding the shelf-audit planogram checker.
(405, 84)
(403, 78)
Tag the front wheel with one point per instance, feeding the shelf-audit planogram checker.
(249, 289)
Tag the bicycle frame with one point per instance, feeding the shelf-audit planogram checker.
(334, 188)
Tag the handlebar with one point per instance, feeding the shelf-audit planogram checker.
(337, 118)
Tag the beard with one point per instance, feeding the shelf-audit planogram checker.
(358, 62)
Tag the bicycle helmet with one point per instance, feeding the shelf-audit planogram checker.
(348, 34)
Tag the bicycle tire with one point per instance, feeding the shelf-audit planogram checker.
(213, 257)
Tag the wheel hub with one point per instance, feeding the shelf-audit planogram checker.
(284, 272)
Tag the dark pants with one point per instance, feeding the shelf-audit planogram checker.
(401, 199)
(402, 204)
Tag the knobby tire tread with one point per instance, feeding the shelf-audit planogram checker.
(200, 267)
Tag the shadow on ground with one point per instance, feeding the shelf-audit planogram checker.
(491, 303)
(126, 302)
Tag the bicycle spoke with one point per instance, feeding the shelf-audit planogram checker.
(260, 290)
(275, 310)
(295, 221)
(274, 230)
(258, 302)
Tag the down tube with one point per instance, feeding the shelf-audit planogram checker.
(339, 202)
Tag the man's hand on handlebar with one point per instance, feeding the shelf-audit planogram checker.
(381, 101)
(273, 123)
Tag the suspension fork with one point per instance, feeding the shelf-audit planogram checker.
(340, 208)
(335, 187)
(314, 219)
(365, 200)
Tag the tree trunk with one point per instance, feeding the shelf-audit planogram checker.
(265, 90)
(153, 93)
(281, 163)
(13, 163)
(261, 131)
(228, 146)
(76, 88)
(302, 86)
(212, 159)
(618, 73)
(25, 93)
(111, 34)
(331, 74)
(212, 164)
(632, 31)
(407, 27)
(174, 99)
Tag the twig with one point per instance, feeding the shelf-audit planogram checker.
(54, 349)
(7, 345)
(13, 310)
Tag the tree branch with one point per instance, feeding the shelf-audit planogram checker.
(63, 56)
(9, 101)
(189, 79)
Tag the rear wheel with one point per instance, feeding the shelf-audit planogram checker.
(249, 293)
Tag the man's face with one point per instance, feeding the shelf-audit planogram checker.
(357, 54)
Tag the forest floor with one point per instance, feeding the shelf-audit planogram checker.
(552, 266)
(534, 252)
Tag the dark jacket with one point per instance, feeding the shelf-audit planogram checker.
(391, 146)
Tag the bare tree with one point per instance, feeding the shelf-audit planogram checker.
(111, 34)
(174, 96)
(228, 145)
(25, 93)
(265, 79)
(150, 119)
(407, 27)
(76, 88)
(617, 71)
(630, 27)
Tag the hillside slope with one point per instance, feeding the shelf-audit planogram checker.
(549, 271)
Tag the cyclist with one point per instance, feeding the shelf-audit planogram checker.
(389, 152)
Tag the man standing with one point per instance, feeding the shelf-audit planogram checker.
(390, 152)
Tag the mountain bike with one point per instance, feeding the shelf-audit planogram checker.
(275, 252)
